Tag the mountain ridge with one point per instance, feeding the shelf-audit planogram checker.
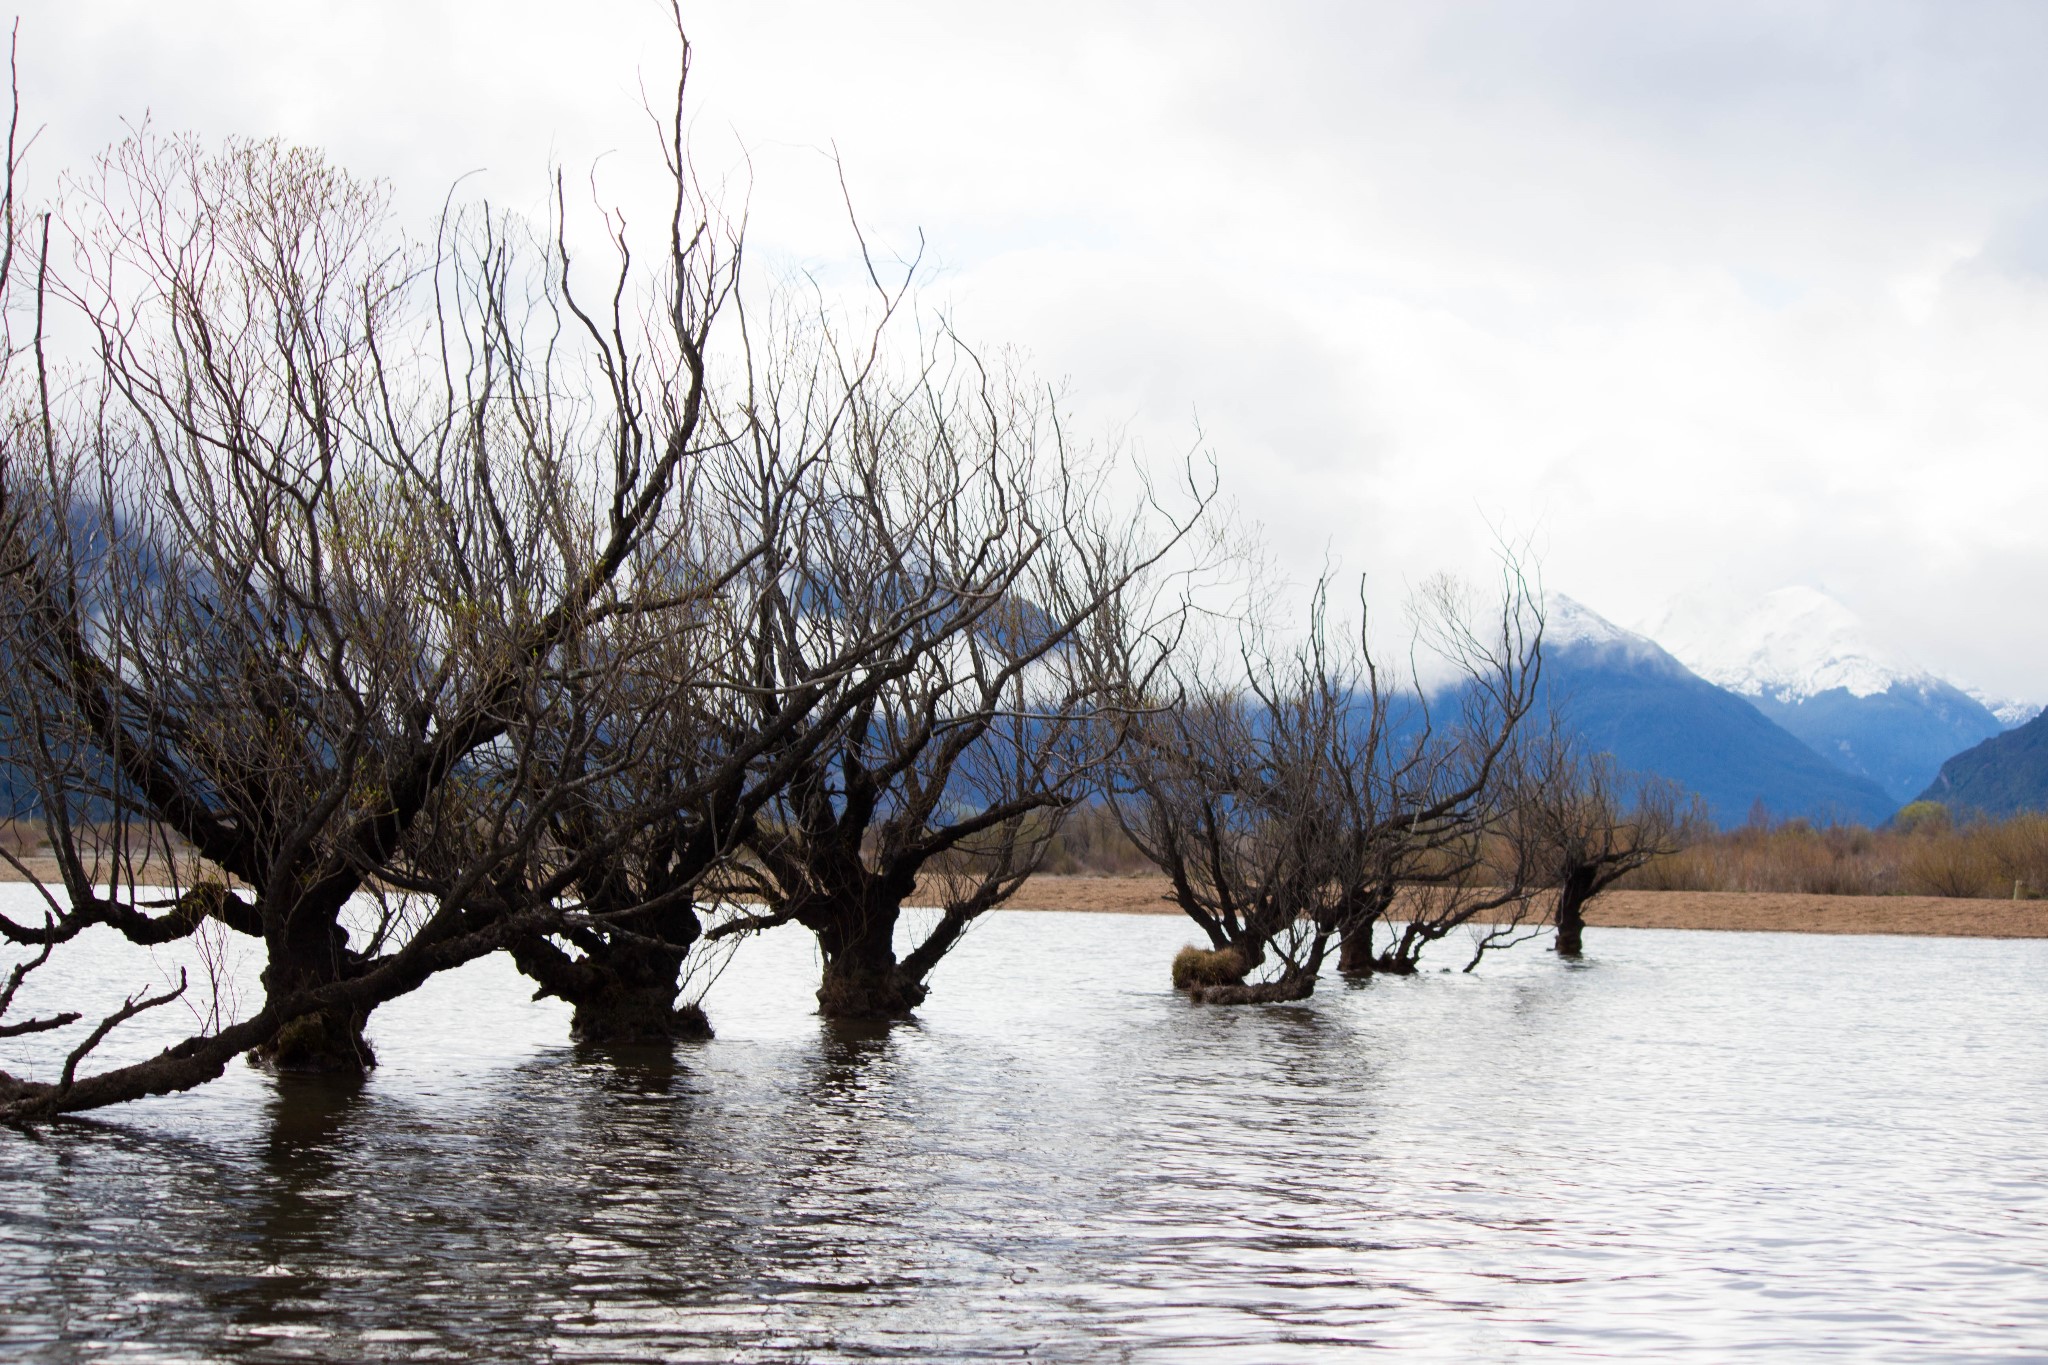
(1630, 696)
(2005, 775)
(1807, 663)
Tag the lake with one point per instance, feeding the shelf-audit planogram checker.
(1690, 1144)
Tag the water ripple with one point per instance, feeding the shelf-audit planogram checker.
(1693, 1145)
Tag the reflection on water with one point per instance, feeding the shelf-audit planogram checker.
(1691, 1144)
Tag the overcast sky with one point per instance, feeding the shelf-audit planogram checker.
(1737, 295)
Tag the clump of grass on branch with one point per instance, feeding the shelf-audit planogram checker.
(1197, 967)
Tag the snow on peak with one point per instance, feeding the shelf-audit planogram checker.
(1793, 644)
(1566, 621)
(1569, 624)
(2009, 710)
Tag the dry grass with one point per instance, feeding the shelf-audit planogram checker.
(1089, 844)
(1776, 912)
(1922, 854)
(23, 838)
(145, 854)
(1194, 967)
(1786, 912)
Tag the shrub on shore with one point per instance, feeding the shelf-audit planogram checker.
(1089, 843)
(1924, 852)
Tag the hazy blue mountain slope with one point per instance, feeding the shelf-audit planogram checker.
(1898, 738)
(2005, 774)
(1809, 663)
(1632, 699)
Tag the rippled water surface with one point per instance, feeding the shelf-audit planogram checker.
(1691, 1144)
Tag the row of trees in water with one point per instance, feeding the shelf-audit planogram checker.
(389, 603)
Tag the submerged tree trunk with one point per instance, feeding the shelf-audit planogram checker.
(329, 1042)
(1357, 955)
(628, 997)
(1297, 981)
(862, 978)
(1354, 951)
(1572, 896)
(1357, 931)
(623, 989)
(1290, 987)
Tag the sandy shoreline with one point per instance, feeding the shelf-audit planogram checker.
(1781, 912)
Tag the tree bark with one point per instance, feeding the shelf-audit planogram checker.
(1354, 952)
(639, 1014)
(1355, 956)
(626, 996)
(862, 979)
(1572, 896)
(327, 1042)
(1271, 992)
(622, 990)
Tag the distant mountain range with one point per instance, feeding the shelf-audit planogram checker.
(2004, 775)
(1632, 698)
(1786, 701)
(1806, 661)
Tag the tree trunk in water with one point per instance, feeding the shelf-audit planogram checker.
(326, 1043)
(629, 997)
(1356, 957)
(623, 990)
(1271, 992)
(1571, 911)
(862, 979)
(1354, 952)
(1355, 936)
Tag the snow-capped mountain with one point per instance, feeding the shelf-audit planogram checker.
(1567, 622)
(1631, 698)
(1806, 661)
(2010, 711)
(1794, 644)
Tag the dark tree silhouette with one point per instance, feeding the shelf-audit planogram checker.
(978, 574)
(1579, 825)
(1295, 797)
(291, 563)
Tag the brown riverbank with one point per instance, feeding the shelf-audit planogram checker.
(144, 872)
(1759, 911)
(1780, 912)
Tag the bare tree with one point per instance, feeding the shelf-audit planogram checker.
(834, 603)
(1302, 799)
(682, 762)
(957, 583)
(291, 563)
(1234, 788)
(1579, 825)
(1449, 775)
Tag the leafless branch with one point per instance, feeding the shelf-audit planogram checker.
(132, 1006)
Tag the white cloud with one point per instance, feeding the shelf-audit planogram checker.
(1740, 294)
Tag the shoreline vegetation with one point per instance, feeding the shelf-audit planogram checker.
(1743, 911)
(1925, 873)
(1784, 912)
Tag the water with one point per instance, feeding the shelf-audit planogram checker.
(1691, 1145)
